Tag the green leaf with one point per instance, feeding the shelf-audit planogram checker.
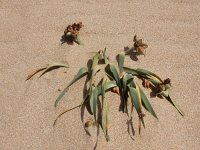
(109, 84)
(104, 123)
(95, 60)
(125, 80)
(106, 86)
(130, 71)
(155, 81)
(175, 105)
(81, 73)
(146, 72)
(134, 99)
(112, 71)
(95, 97)
(106, 59)
(109, 75)
(54, 66)
(94, 71)
(121, 58)
(103, 126)
(33, 73)
(91, 100)
(147, 104)
(139, 96)
(48, 68)
(103, 90)
(107, 113)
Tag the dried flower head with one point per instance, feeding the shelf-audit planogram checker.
(139, 46)
(73, 29)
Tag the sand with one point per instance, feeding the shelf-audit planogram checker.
(30, 33)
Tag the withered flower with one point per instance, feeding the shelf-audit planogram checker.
(163, 88)
(72, 31)
(139, 46)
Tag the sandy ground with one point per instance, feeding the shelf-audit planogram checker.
(30, 33)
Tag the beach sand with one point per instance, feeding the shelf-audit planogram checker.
(30, 33)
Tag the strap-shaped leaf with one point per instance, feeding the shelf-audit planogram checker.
(121, 58)
(103, 89)
(104, 123)
(107, 115)
(33, 73)
(146, 72)
(125, 82)
(155, 81)
(106, 86)
(109, 84)
(95, 97)
(48, 68)
(130, 71)
(112, 71)
(91, 100)
(54, 66)
(94, 71)
(95, 60)
(175, 105)
(109, 75)
(81, 73)
(147, 104)
(139, 96)
(130, 81)
(134, 99)
(106, 59)
(103, 126)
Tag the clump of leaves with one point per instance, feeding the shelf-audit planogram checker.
(138, 47)
(48, 68)
(120, 80)
(71, 33)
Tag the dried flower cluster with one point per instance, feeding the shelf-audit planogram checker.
(73, 30)
(139, 46)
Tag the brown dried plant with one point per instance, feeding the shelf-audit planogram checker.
(71, 33)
